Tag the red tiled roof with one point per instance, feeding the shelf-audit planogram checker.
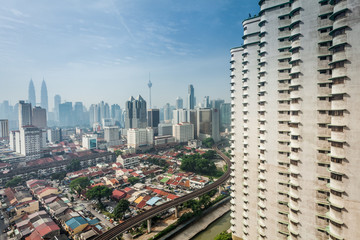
(127, 189)
(47, 228)
(118, 194)
(172, 196)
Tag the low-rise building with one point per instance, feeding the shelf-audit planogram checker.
(128, 161)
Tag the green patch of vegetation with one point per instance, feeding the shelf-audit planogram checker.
(208, 142)
(133, 180)
(223, 236)
(58, 176)
(99, 192)
(73, 166)
(197, 164)
(14, 182)
(121, 208)
(79, 184)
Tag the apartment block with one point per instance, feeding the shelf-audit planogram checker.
(294, 117)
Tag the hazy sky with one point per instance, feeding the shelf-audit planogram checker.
(92, 50)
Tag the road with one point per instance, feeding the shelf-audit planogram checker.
(117, 230)
(99, 216)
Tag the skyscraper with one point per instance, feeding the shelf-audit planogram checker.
(66, 114)
(225, 116)
(295, 95)
(57, 102)
(167, 112)
(32, 96)
(4, 128)
(135, 113)
(179, 103)
(208, 123)
(153, 118)
(206, 103)
(116, 114)
(191, 97)
(25, 114)
(39, 119)
(44, 96)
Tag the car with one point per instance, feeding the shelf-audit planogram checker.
(2, 217)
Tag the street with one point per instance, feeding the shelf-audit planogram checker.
(99, 216)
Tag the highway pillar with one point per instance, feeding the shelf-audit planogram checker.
(219, 189)
(149, 225)
(177, 212)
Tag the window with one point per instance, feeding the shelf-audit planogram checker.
(335, 176)
(337, 144)
(340, 48)
(339, 16)
(338, 81)
(336, 160)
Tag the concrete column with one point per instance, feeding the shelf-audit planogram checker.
(149, 225)
(176, 212)
(219, 189)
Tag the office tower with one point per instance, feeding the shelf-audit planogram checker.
(107, 122)
(66, 114)
(112, 136)
(79, 119)
(31, 92)
(39, 119)
(179, 103)
(31, 142)
(135, 113)
(192, 118)
(295, 93)
(116, 114)
(167, 112)
(25, 114)
(191, 97)
(179, 116)
(183, 132)
(216, 103)
(225, 116)
(89, 141)
(140, 137)
(165, 129)
(44, 96)
(149, 85)
(206, 102)
(4, 128)
(5, 110)
(57, 102)
(208, 123)
(106, 111)
(153, 118)
(94, 114)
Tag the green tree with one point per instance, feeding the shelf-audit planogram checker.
(14, 182)
(205, 200)
(223, 236)
(79, 184)
(73, 166)
(133, 180)
(209, 154)
(118, 153)
(121, 208)
(58, 176)
(208, 142)
(98, 192)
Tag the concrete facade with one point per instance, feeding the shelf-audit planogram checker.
(294, 133)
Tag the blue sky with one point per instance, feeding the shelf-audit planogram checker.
(104, 49)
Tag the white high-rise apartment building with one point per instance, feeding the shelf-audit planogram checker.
(179, 116)
(183, 132)
(112, 136)
(4, 128)
(139, 137)
(39, 117)
(31, 142)
(295, 122)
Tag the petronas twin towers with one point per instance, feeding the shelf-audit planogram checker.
(44, 95)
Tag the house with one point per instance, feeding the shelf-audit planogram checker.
(118, 194)
(128, 161)
(75, 225)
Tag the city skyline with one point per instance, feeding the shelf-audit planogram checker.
(107, 49)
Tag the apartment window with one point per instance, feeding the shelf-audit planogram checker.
(295, 150)
(295, 113)
(295, 50)
(336, 193)
(338, 65)
(335, 176)
(324, 30)
(340, 48)
(337, 144)
(336, 160)
(324, 3)
(338, 81)
(339, 16)
(337, 112)
(325, 44)
(337, 1)
(337, 97)
(293, 162)
(294, 137)
(323, 17)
